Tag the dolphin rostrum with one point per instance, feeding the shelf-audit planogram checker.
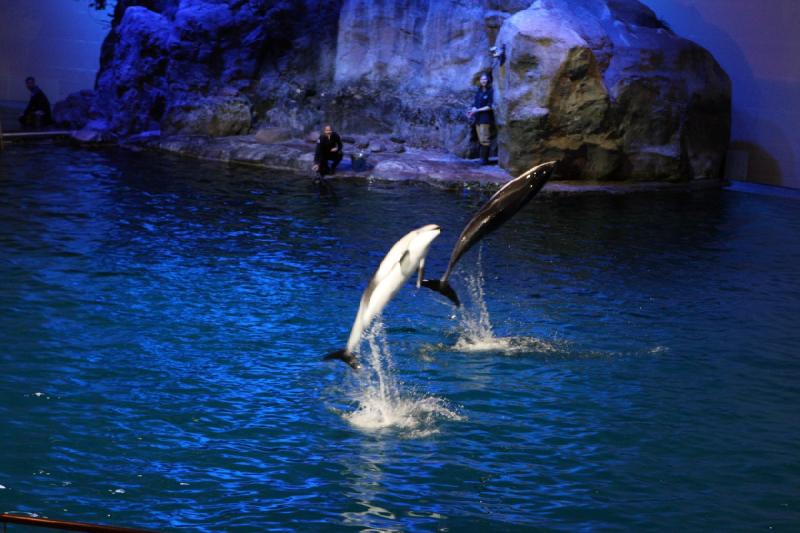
(503, 205)
(406, 257)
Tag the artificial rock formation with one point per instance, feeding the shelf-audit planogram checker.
(600, 84)
(73, 111)
(606, 86)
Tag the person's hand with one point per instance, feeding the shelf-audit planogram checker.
(315, 168)
(334, 149)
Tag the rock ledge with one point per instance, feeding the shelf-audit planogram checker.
(435, 167)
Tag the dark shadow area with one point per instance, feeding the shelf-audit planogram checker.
(772, 153)
(761, 166)
(10, 110)
(773, 129)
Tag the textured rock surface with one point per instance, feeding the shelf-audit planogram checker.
(606, 87)
(131, 86)
(73, 112)
(601, 84)
(211, 115)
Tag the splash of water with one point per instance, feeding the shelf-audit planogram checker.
(380, 398)
(475, 327)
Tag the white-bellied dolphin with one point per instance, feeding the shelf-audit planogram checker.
(406, 257)
(503, 205)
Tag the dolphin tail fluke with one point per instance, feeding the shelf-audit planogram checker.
(344, 356)
(442, 287)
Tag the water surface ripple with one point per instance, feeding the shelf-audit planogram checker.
(622, 363)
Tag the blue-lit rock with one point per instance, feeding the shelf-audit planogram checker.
(74, 110)
(132, 88)
(227, 113)
(601, 84)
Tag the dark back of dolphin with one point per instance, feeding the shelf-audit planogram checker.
(503, 205)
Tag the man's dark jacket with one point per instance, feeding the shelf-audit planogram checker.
(38, 102)
(324, 146)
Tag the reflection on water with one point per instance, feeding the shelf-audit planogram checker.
(163, 322)
(367, 487)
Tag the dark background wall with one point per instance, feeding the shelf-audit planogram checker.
(758, 44)
(57, 41)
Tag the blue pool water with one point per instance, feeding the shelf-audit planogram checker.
(620, 363)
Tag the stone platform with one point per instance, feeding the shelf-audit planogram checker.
(437, 168)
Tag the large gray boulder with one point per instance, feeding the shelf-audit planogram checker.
(605, 86)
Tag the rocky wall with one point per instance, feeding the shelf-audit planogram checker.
(601, 84)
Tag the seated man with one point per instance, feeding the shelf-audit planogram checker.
(329, 148)
(38, 111)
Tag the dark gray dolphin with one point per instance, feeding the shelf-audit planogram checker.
(503, 205)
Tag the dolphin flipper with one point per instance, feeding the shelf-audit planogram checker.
(442, 287)
(345, 356)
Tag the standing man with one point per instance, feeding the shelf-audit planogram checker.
(484, 117)
(38, 111)
(329, 148)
